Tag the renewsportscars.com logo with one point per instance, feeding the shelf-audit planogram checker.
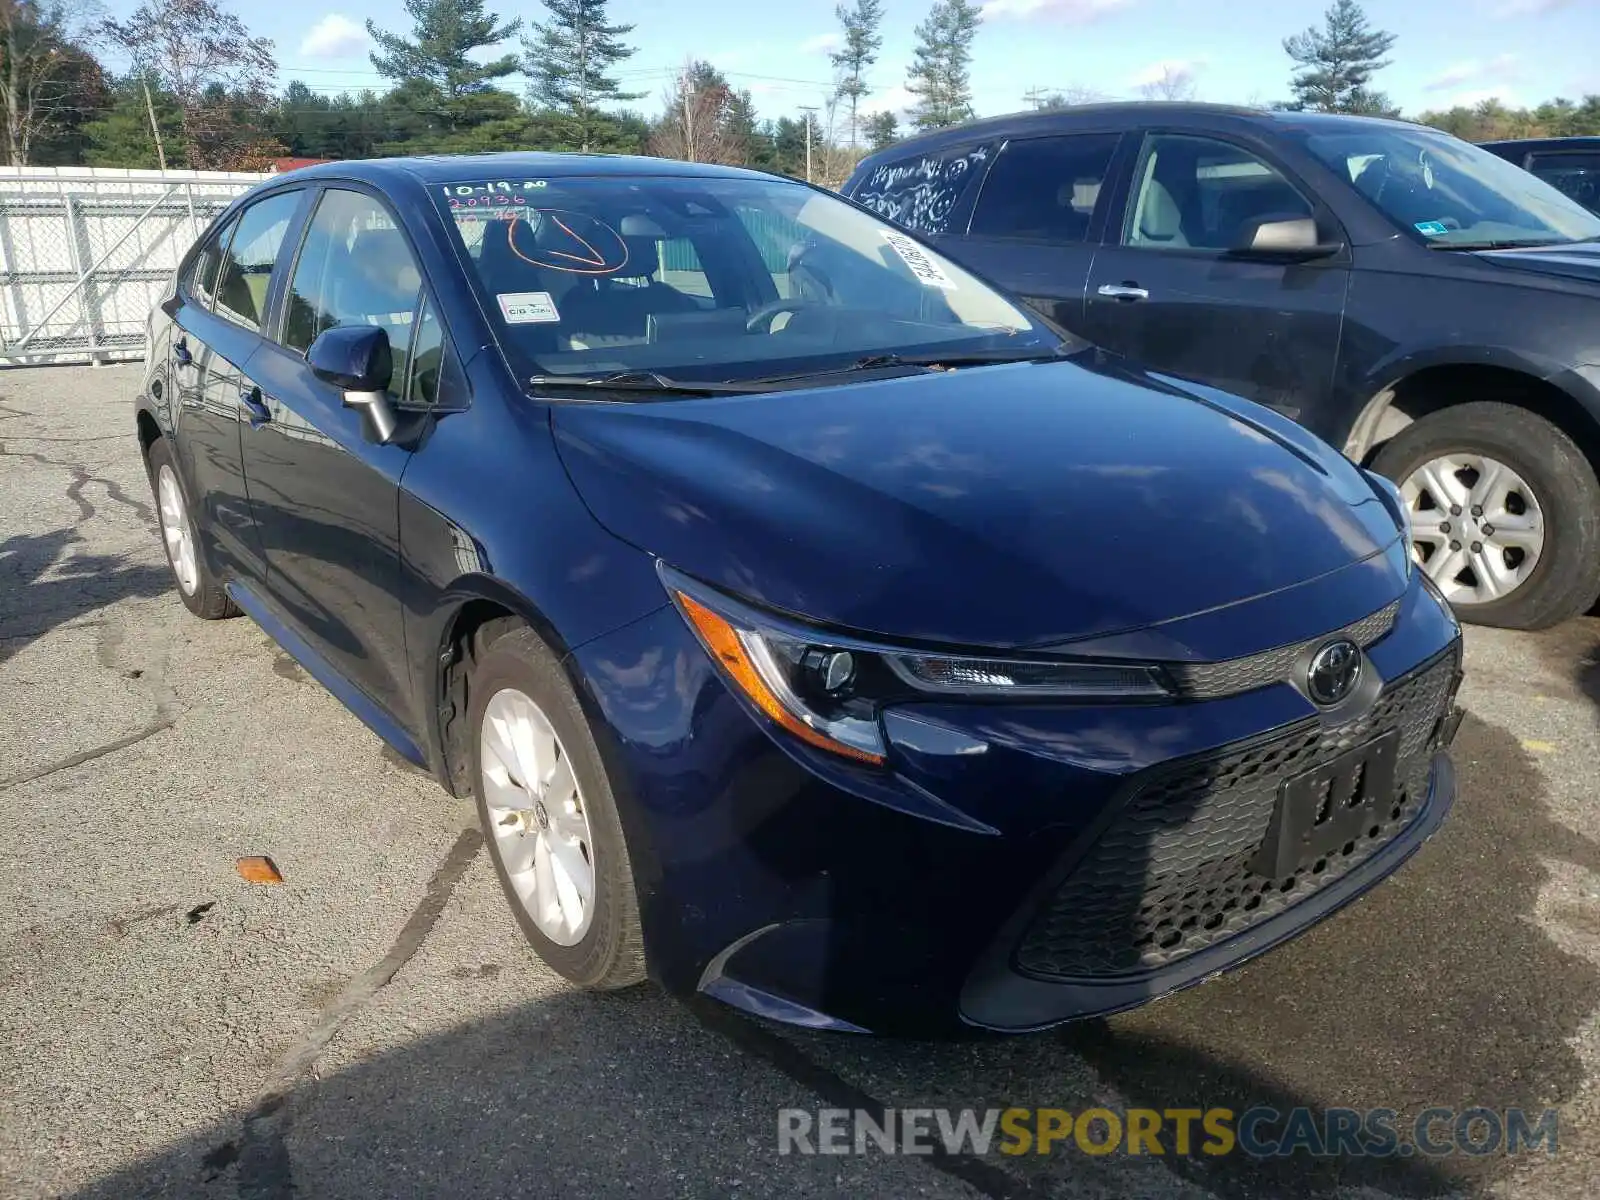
(1260, 1132)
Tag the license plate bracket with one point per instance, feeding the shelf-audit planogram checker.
(1320, 810)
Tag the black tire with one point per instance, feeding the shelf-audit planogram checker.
(1566, 580)
(208, 600)
(610, 954)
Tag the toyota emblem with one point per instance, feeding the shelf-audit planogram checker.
(1333, 672)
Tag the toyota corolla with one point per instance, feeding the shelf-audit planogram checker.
(816, 628)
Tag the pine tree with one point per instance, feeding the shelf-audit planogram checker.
(938, 73)
(439, 55)
(862, 42)
(882, 131)
(568, 60)
(1335, 64)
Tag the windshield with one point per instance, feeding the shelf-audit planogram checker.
(713, 279)
(1443, 191)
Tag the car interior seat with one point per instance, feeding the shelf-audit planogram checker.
(616, 309)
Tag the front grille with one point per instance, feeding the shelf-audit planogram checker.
(1174, 871)
(1208, 681)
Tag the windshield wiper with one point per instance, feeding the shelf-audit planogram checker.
(1502, 244)
(929, 362)
(644, 381)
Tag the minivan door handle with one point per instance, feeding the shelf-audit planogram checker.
(260, 414)
(1127, 292)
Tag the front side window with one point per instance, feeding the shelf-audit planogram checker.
(201, 282)
(1573, 175)
(355, 268)
(246, 275)
(1443, 192)
(923, 192)
(1195, 193)
(1046, 188)
(711, 279)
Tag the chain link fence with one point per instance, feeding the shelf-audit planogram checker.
(86, 252)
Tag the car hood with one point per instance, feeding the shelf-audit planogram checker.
(1019, 505)
(1581, 260)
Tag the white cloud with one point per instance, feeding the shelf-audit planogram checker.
(1528, 8)
(335, 36)
(1502, 67)
(1172, 68)
(1070, 12)
(894, 99)
(823, 43)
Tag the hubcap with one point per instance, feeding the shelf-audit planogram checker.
(537, 817)
(1476, 525)
(176, 531)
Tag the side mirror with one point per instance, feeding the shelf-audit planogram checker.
(357, 359)
(1284, 239)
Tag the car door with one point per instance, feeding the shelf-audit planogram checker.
(1038, 219)
(216, 311)
(1171, 293)
(324, 496)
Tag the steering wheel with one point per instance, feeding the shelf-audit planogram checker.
(761, 320)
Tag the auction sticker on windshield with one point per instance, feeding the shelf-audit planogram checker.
(924, 268)
(1432, 228)
(528, 308)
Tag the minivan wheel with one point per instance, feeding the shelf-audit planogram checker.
(1505, 513)
(199, 590)
(549, 815)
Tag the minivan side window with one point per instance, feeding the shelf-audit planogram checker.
(247, 263)
(201, 282)
(355, 268)
(1578, 175)
(1193, 193)
(923, 192)
(1046, 188)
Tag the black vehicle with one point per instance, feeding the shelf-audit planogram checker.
(1571, 165)
(1421, 303)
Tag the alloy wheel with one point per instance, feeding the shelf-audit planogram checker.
(1476, 525)
(537, 817)
(176, 530)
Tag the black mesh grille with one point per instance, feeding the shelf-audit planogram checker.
(1174, 871)
(1206, 681)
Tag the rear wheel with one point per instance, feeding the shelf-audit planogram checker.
(199, 590)
(551, 821)
(1505, 513)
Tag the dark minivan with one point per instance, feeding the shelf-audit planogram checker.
(1571, 164)
(1419, 302)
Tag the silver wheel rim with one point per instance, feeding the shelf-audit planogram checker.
(1476, 525)
(537, 817)
(176, 531)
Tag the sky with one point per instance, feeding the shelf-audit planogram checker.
(1449, 51)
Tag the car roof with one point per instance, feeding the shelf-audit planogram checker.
(1549, 143)
(456, 168)
(1132, 112)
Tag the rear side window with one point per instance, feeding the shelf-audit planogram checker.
(1578, 175)
(355, 268)
(1047, 188)
(201, 282)
(247, 263)
(924, 193)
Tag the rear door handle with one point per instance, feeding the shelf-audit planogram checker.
(253, 403)
(1123, 291)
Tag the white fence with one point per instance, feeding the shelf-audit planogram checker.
(86, 251)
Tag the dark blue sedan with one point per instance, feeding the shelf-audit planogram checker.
(816, 628)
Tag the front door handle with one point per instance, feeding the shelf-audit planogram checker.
(1127, 292)
(256, 406)
(181, 355)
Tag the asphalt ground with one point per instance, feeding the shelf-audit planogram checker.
(374, 1026)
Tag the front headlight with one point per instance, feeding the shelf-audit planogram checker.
(1395, 502)
(828, 690)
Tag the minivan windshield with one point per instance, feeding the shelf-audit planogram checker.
(687, 279)
(1448, 193)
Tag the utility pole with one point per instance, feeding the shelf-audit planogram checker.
(687, 88)
(808, 109)
(155, 129)
(1034, 96)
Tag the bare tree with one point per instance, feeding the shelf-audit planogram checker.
(205, 57)
(42, 69)
(699, 122)
(1174, 83)
(1067, 97)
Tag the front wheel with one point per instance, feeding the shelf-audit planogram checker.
(549, 815)
(1505, 513)
(202, 593)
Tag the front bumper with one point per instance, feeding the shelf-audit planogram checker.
(806, 889)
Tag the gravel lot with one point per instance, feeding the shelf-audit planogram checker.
(376, 1027)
